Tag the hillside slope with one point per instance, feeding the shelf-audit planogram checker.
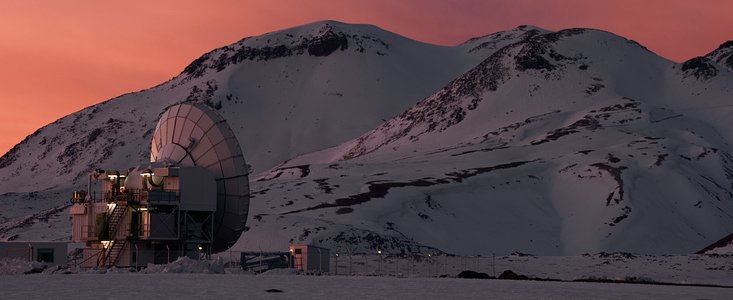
(526, 140)
(283, 93)
(568, 142)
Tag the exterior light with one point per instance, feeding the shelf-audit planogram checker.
(291, 250)
(379, 252)
(105, 244)
(146, 173)
(201, 248)
(112, 177)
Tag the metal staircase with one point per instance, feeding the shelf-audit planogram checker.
(113, 250)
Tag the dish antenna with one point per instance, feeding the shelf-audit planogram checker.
(192, 134)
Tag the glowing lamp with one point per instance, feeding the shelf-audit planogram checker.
(147, 173)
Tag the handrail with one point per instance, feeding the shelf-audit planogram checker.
(116, 258)
(113, 230)
(90, 257)
(126, 196)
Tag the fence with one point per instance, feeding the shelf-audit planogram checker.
(397, 265)
(411, 265)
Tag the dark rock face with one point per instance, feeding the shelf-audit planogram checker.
(531, 58)
(723, 55)
(509, 274)
(374, 240)
(556, 36)
(197, 67)
(468, 274)
(618, 194)
(537, 53)
(327, 41)
(205, 96)
(501, 37)
(728, 44)
(699, 67)
(11, 156)
(325, 45)
(587, 122)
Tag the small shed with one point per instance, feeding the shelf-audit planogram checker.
(54, 253)
(310, 258)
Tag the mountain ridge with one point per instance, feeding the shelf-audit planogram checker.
(598, 137)
(535, 141)
(210, 90)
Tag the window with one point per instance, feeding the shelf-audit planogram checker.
(298, 251)
(44, 255)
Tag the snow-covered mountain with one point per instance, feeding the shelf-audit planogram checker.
(283, 93)
(524, 140)
(286, 93)
(563, 143)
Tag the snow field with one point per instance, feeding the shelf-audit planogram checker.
(203, 286)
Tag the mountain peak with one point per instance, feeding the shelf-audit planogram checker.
(506, 34)
(320, 38)
(498, 40)
(519, 29)
(726, 45)
(723, 55)
(526, 27)
(323, 26)
(700, 67)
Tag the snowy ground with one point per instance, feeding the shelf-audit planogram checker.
(395, 277)
(676, 269)
(208, 286)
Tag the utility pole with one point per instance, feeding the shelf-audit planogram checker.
(379, 268)
(320, 261)
(493, 264)
(351, 272)
(430, 264)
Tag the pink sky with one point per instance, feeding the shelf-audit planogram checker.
(58, 57)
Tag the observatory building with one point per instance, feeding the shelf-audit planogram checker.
(191, 200)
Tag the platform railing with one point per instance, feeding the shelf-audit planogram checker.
(130, 196)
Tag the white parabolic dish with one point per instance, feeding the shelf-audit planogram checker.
(195, 135)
